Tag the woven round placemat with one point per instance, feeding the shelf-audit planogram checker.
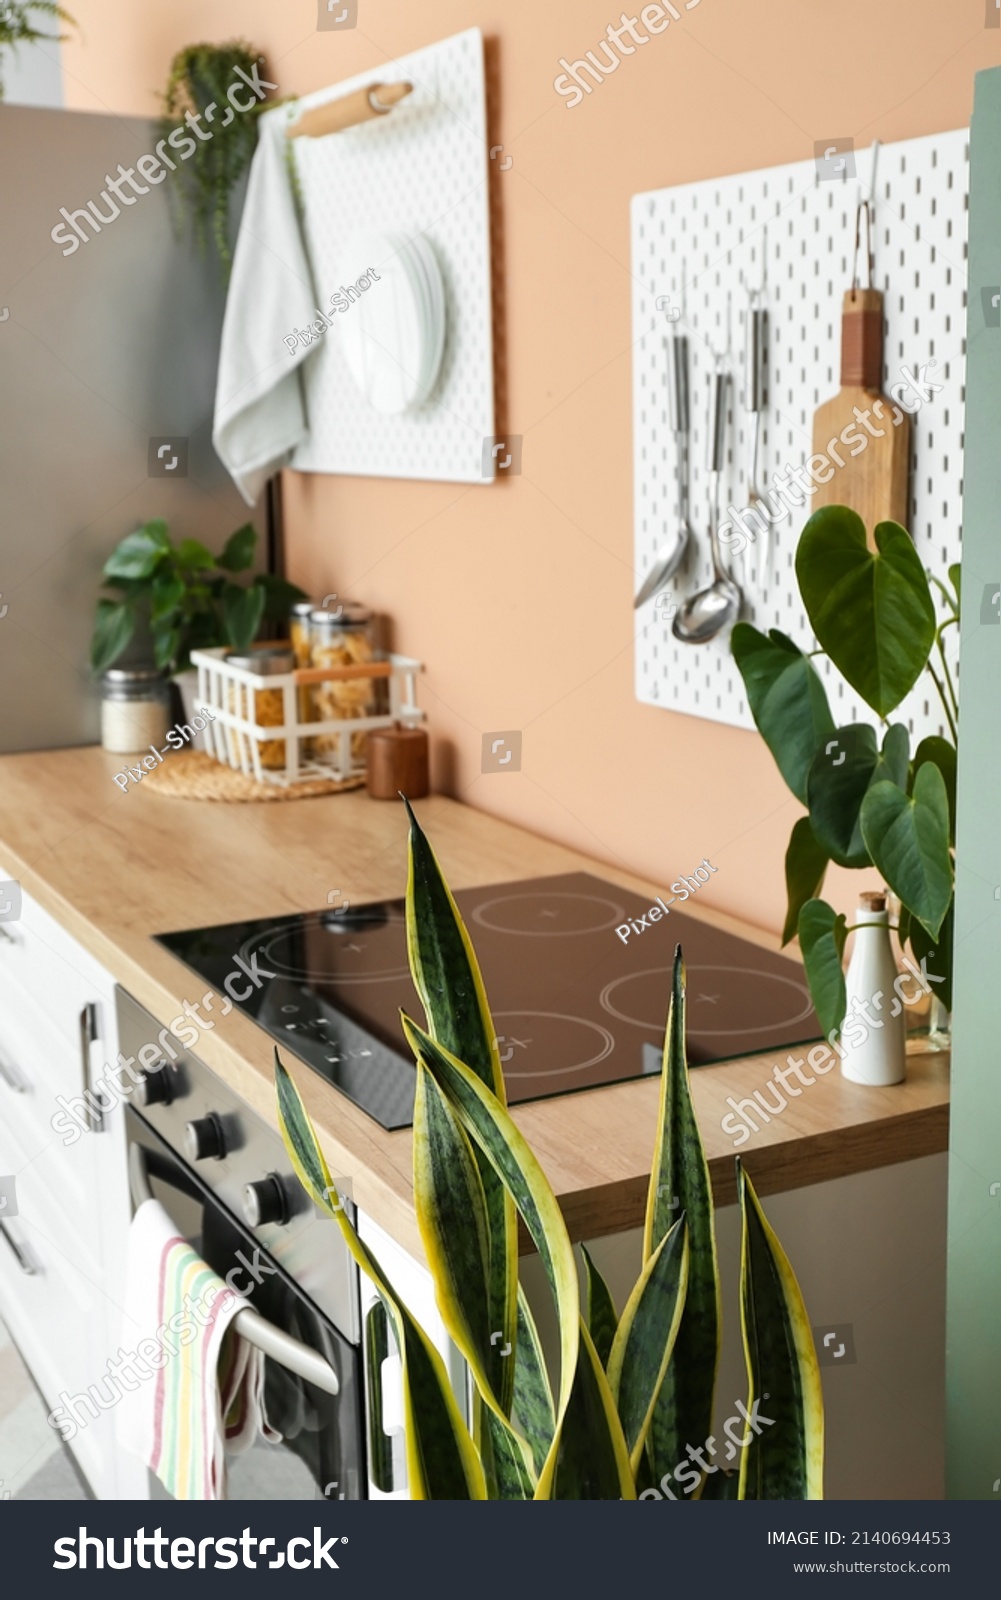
(194, 775)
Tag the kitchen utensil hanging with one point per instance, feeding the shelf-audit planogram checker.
(755, 401)
(672, 552)
(873, 478)
(707, 613)
(711, 234)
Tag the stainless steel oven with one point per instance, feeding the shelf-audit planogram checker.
(224, 1178)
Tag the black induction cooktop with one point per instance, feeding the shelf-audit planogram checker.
(575, 1005)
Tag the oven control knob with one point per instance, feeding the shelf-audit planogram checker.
(205, 1138)
(264, 1201)
(155, 1088)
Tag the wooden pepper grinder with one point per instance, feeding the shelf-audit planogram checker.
(870, 459)
(397, 763)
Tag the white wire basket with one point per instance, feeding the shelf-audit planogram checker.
(285, 752)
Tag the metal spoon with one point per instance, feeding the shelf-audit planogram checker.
(754, 394)
(672, 552)
(707, 613)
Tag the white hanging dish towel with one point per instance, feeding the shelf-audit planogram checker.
(260, 411)
(205, 1395)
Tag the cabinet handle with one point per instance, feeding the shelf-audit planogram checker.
(26, 1265)
(88, 1033)
(12, 1081)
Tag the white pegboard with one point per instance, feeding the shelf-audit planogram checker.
(422, 169)
(702, 245)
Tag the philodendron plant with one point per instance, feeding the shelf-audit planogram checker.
(872, 802)
(635, 1399)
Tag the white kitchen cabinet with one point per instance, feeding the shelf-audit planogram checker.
(62, 1254)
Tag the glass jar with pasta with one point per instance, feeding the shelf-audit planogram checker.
(344, 637)
(262, 705)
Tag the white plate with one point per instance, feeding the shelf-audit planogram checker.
(393, 334)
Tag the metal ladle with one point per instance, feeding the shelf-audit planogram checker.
(707, 613)
(672, 552)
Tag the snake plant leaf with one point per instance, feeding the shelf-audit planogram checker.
(447, 978)
(490, 1124)
(840, 773)
(645, 1338)
(806, 869)
(721, 1485)
(936, 955)
(532, 1413)
(443, 964)
(822, 935)
(602, 1317)
(679, 1183)
(787, 699)
(943, 754)
(908, 839)
(591, 1462)
(442, 1463)
(783, 1439)
(452, 1218)
(872, 613)
(507, 1474)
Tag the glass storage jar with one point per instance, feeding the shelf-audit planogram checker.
(298, 630)
(267, 706)
(135, 709)
(343, 638)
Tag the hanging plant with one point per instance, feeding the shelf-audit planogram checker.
(201, 77)
(17, 28)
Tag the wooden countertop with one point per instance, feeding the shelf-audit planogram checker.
(114, 868)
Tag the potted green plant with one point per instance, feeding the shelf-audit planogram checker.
(16, 26)
(637, 1388)
(187, 596)
(871, 801)
(200, 77)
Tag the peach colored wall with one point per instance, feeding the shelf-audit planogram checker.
(518, 597)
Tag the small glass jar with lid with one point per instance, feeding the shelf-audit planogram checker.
(298, 632)
(262, 705)
(135, 709)
(344, 637)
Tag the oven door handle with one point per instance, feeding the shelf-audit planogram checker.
(263, 1335)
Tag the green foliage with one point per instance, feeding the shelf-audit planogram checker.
(186, 594)
(16, 26)
(870, 803)
(200, 77)
(634, 1390)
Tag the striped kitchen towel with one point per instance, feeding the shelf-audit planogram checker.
(200, 1393)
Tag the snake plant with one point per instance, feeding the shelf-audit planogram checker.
(635, 1389)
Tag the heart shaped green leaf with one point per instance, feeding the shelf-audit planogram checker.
(787, 700)
(238, 551)
(242, 609)
(908, 839)
(943, 754)
(822, 934)
(839, 776)
(139, 554)
(806, 866)
(873, 614)
(113, 628)
(935, 956)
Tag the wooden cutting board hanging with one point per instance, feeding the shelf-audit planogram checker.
(873, 481)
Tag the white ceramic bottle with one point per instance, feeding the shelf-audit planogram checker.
(874, 1053)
